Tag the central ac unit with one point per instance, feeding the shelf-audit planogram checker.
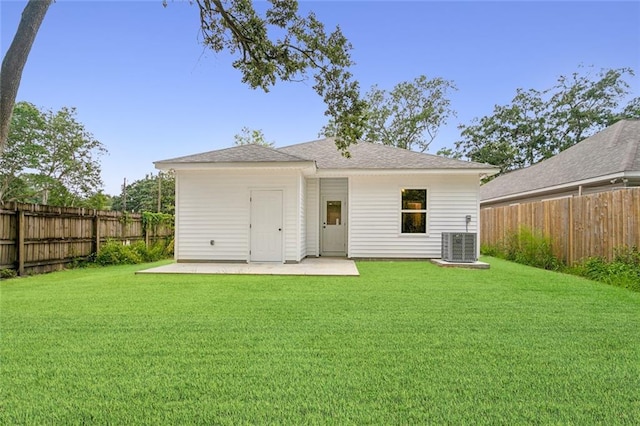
(459, 247)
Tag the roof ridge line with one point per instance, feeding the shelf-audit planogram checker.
(273, 148)
(307, 142)
(616, 132)
(635, 153)
(633, 149)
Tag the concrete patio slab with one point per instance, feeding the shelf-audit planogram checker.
(310, 266)
(469, 265)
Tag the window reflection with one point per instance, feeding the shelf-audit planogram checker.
(414, 211)
(334, 212)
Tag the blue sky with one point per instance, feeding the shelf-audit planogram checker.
(146, 88)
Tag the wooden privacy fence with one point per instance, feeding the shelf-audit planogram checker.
(579, 227)
(37, 238)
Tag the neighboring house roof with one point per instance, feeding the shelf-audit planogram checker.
(325, 155)
(613, 151)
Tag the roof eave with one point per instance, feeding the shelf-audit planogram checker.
(169, 165)
(431, 171)
(564, 186)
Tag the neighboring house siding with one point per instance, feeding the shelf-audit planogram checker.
(312, 212)
(375, 214)
(214, 205)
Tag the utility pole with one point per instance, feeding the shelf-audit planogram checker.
(124, 195)
(159, 191)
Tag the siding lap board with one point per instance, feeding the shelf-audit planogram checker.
(312, 224)
(214, 205)
(375, 214)
(303, 217)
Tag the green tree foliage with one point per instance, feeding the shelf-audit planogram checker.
(276, 44)
(409, 116)
(23, 151)
(71, 162)
(98, 201)
(50, 158)
(449, 152)
(631, 111)
(142, 195)
(248, 136)
(280, 44)
(14, 61)
(539, 124)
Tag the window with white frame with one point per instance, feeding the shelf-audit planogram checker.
(413, 211)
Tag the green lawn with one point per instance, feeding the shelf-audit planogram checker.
(404, 343)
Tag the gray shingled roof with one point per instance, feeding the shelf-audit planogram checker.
(367, 155)
(238, 154)
(616, 149)
(364, 155)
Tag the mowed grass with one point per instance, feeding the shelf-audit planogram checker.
(404, 343)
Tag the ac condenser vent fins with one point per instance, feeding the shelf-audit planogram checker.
(459, 247)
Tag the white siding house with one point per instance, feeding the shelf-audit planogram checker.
(214, 209)
(255, 204)
(312, 214)
(376, 214)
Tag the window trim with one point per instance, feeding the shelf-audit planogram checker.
(425, 211)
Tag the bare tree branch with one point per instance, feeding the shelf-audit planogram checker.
(14, 61)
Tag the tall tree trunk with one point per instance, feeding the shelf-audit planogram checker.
(14, 61)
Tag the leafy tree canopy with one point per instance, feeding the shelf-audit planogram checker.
(50, 158)
(142, 195)
(409, 116)
(98, 201)
(14, 61)
(24, 149)
(248, 136)
(539, 124)
(280, 44)
(275, 44)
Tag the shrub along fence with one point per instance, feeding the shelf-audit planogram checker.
(593, 225)
(38, 238)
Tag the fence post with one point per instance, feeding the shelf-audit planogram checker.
(20, 240)
(570, 251)
(96, 232)
(121, 222)
(145, 230)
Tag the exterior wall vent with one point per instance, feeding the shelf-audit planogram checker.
(459, 247)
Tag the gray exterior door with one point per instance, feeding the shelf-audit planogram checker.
(334, 229)
(333, 216)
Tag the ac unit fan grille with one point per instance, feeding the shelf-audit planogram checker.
(459, 247)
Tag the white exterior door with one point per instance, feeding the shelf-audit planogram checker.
(266, 226)
(333, 223)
